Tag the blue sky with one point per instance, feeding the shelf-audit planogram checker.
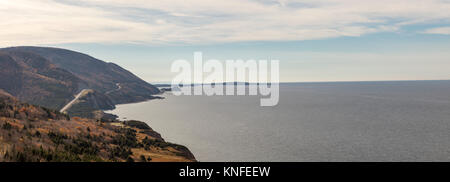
(315, 40)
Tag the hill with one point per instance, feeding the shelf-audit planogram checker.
(51, 77)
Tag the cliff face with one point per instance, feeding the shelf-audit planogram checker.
(51, 77)
(31, 133)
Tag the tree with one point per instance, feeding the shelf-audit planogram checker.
(37, 134)
(129, 159)
(143, 159)
(6, 126)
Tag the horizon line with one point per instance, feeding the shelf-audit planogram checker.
(168, 83)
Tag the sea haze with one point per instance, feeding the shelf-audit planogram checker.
(340, 121)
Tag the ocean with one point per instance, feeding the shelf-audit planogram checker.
(335, 121)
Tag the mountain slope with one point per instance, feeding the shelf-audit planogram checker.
(33, 79)
(51, 77)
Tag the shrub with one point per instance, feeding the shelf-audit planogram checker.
(7, 126)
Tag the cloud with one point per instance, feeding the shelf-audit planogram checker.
(440, 30)
(34, 22)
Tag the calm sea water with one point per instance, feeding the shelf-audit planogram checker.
(347, 121)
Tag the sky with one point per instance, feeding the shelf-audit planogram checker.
(314, 40)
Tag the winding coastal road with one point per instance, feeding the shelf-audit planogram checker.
(118, 88)
(68, 105)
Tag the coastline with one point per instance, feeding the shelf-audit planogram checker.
(183, 151)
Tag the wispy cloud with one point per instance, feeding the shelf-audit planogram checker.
(31, 22)
(439, 30)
